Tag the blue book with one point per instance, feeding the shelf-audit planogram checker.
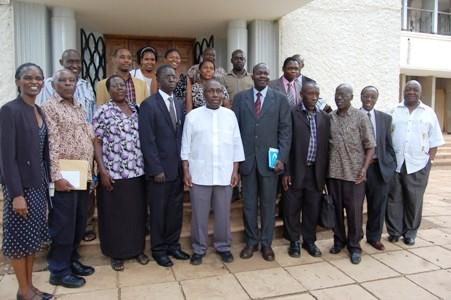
(273, 155)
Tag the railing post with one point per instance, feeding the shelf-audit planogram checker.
(435, 17)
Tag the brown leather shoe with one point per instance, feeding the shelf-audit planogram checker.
(377, 245)
(248, 251)
(268, 254)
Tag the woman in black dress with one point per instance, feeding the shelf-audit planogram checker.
(24, 162)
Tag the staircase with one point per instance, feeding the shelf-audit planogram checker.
(443, 158)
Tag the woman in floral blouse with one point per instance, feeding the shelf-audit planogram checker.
(121, 205)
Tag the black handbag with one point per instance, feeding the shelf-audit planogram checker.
(327, 217)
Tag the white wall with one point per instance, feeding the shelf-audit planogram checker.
(425, 54)
(347, 41)
(7, 61)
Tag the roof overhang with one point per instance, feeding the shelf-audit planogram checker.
(180, 18)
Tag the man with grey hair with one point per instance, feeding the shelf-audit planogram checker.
(416, 136)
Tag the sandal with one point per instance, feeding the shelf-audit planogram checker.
(89, 235)
(142, 259)
(44, 295)
(117, 264)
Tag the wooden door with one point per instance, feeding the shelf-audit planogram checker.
(440, 107)
(161, 44)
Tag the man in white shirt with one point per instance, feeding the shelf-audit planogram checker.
(416, 135)
(211, 152)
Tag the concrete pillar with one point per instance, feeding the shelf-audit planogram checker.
(236, 39)
(264, 45)
(428, 90)
(64, 33)
(7, 49)
(404, 14)
(435, 17)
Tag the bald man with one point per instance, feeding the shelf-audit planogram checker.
(71, 60)
(416, 136)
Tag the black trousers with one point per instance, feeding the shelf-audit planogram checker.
(67, 224)
(307, 201)
(376, 191)
(347, 196)
(166, 214)
(405, 203)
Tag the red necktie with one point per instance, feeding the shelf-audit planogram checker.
(258, 105)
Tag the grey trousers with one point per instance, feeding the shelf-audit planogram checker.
(203, 198)
(405, 202)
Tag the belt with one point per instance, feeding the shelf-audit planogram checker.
(310, 163)
(374, 161)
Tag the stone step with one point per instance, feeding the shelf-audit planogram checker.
(441, 162)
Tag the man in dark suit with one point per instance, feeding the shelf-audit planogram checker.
(381, 169)
(306, 172)
(287, 83)
(264, 119)
(160, 127)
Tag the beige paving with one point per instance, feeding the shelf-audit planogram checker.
(367, 248)
(269, 283)
(256, 262)
(435, 236)
(212, 288)
(319, 275)
(405, 262)
(94, 295)
(325, 245)
(397, 288)
(211, 266)
(348, 292)
(368, 269)
(437, 255)
(419, 242)
(104, 278)
(136, 274)
(437, 282)
(304, 296)
(9, 286)
(168, 291)
(285, 260)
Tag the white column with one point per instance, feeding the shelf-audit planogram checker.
(64, 30)
(404, 14)
(435, 17)
(433, 89)
(7, 62)
(236, 39)
(264, 45)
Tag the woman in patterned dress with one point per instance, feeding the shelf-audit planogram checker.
(195, 91)
(122, 203)
(24, 163)
(172, 58)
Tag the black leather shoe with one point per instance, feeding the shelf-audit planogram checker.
(356, 258)
(268, 253)
(248, 251)
(393, 239)
(409, 241)
(335, 249)
(196, 259)
(44, 295)
(163, 261)
(70, 281)
(312, 249)
(226, 256)
(81, 270)
(295, 249)
(179, 254)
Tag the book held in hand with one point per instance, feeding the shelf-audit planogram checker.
(273, 155)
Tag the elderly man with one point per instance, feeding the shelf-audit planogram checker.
(136, 89)
(207, 54)
(238, 79)
(416, 136)
(382, 167)
(304, 180)
(264, 119)
(70, 137)
(211, 152)
(351, 147)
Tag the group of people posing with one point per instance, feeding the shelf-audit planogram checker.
(149, 133)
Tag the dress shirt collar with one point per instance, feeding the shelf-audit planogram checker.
(263, 92)
(60, 99)
(233, 74)
(165, 95)
(286, 82)
(306, 110)
(372, 113)
(420, 105)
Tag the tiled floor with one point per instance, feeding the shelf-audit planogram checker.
(422, 271)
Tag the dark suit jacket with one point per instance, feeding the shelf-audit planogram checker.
(296, 165)
(271, 129)
(20, 163)
(160, 142)
(384, 149)
(278, 85)
(306, 79)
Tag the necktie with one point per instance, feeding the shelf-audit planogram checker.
(371, 122)
(258, 105)
(172, 112)
(290, 95)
